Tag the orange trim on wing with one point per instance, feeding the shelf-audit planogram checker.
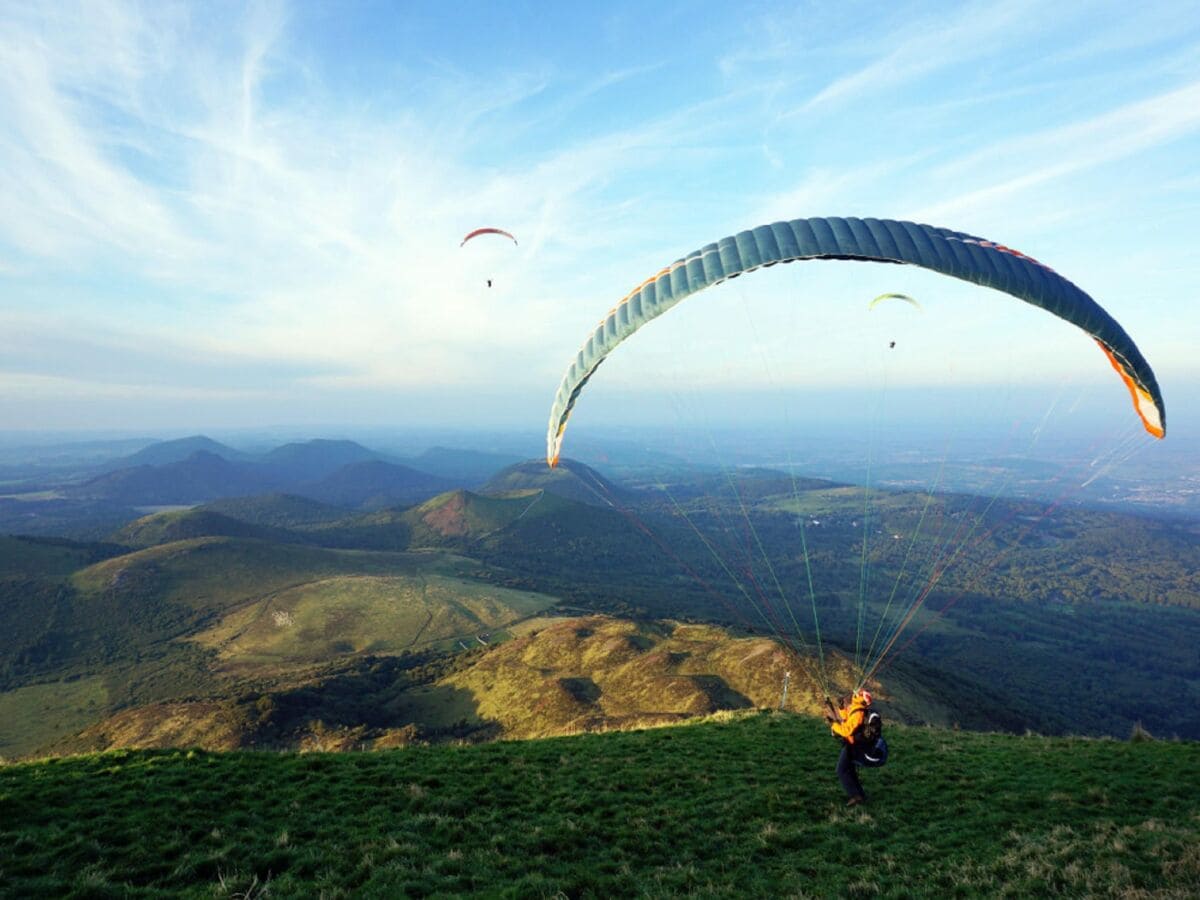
(657, 275)
(1139, 396)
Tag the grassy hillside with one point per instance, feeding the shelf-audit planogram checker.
(130, 610)
(455, 519)
(594, 673)
(274, 615)
(184, 524)
(278, 618)
(202, 476)
(52, 515)
(215, 573)
(748, 806)
(354, 663)
(40, 714)
(48, 559)
(357, 614)
(569, 479)
(375, 484)
(460, 518)
(277, 510)
(385, 529)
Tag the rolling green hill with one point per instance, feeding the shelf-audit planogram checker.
(119, 625)
(180, 525)
(1033, 552)
(591, 557)
(202, 476)
(42, 714)
(51, 515)
(528, 676)
(375, 484)
(570, 479)
(741, 806)
(385, 529)
(456, 519)
(48, 559)
(462, 518)
(596, 673)
(223, 613)
(364, 614)
(276, 510)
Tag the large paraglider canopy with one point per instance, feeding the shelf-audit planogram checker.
(857, 564)
(941, 250)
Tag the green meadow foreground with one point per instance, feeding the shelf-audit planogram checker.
(736, 805)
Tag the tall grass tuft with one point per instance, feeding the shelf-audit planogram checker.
(1139, 734)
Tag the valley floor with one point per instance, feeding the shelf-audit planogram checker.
(742, 805)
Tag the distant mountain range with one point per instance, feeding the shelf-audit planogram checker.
(200, 476)
(371, 505)
(311, 461)
(276, 510)
(341, 473)
(164, 452)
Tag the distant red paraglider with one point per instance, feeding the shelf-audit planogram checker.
(479, 231)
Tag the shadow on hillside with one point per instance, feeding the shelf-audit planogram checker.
(383, 698)
(720, 694)
(443, 712)
(582, 689)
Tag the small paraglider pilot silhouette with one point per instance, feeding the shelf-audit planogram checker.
(478, 231)
(860, 730)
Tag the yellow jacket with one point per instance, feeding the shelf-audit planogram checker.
(851, 717)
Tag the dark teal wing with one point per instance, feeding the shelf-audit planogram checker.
(941, 250)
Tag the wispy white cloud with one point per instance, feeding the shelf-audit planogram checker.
(1029, 162)
(933, 42)
(62, 195)
(292, 228)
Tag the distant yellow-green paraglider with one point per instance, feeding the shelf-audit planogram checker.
(907, 299)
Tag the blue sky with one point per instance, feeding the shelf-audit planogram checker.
(235, 215)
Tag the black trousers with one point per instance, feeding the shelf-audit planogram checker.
(847, 771)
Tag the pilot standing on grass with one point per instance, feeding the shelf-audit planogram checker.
(849, 723)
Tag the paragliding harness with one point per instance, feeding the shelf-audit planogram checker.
(869, 747)
(870, 729)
